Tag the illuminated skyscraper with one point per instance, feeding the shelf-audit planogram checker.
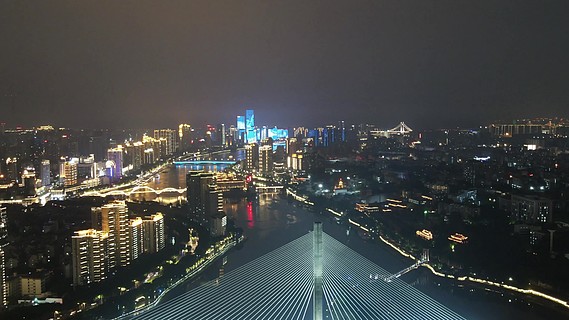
(114, 220)
(68, 172)
(3, 244)
(170, 136)
(114, 163)
(45, 174)
(135, 237)
(266, 159)
(154, 233)
(251, 163)
(251, 135)
(185, 136)
(205, 199)
(89, 256)
(197, 183)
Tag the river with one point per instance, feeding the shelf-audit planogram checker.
(273, 221)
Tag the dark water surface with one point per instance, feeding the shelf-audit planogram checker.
(273, 221)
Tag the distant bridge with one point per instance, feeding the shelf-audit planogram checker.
(400, 129)
(205, 162)
(135, 190)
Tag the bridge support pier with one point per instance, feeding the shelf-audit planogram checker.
(317, 300)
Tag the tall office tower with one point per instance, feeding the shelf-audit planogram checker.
(241, 135)
(86, 168)
(114, 163)
(135, 237)
(222, 133)
(134, 155)
(217, 220)
(114, 220)
(231, 135)
(251, 162)
(185, 136)
(68, 171)
(3, 244)
(154, 233)
(342, 131)
(266, 161)
(89, 256)
(251, 135)
(197, 183)
(45, 174)
(170, 137)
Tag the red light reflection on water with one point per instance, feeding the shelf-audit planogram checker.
(250, 219)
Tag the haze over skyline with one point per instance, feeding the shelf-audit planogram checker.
(138, 64)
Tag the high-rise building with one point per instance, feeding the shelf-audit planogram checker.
(68, 172)
(29, 179)
(45, 173)
(89, 256)
(3, 244)
(185, 136)
(531, 209)
(251, 135)
(205, 199)
(12, 169)
(133, 155)
(222, 134)
(136, 238)
(114, 163)
(297, 161)
(154, 233)
(197, 183)
(266, 159)
(240, 129)
(169, 135)
(114, 220)
(251, 162)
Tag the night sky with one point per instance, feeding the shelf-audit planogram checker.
(145, 64)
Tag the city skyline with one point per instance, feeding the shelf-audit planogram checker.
(431, 65)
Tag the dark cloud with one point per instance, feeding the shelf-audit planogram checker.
(158, 63)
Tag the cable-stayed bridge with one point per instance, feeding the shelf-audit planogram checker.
(281, 285)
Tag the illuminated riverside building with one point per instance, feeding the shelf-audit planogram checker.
(3, 244)
(114, 163)
(251, 162)
(169, 136)
(184, 136)
(198, 183)
(89, 256)
(205, 199)
(133, 155)
(297, 161)
(114, 220)
(266, 160)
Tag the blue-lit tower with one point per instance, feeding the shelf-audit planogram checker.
(251, 135)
